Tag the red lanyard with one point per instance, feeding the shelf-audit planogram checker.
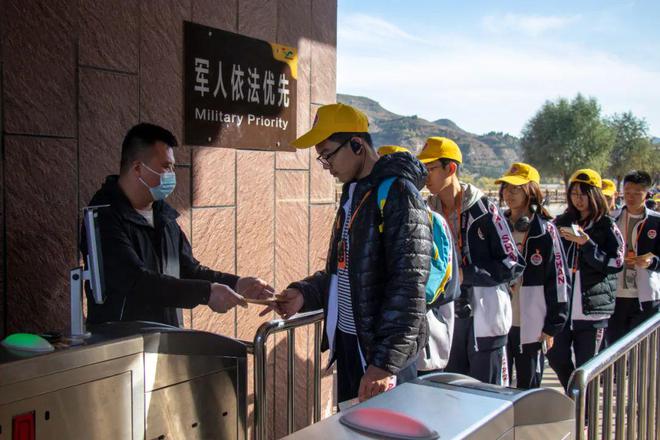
(576, 259)
(458, 234)
(364, 199)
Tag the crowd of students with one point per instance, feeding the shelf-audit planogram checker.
(570, 285)
(527, 285)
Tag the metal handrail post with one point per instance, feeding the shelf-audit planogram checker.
(653, 383)
(579, 396)
(317, 372)
(290, 379)
(643, 391)
(608, 386)
(259, 348)
(621, 379)
(640, 348)
(632, 393)
(594, 399)
(260, 382)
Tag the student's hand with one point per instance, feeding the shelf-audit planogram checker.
(375, 381)
(644, 261)
(223, 298)
(286, 304)
(254, 288)
(549, 341)
(567, 234)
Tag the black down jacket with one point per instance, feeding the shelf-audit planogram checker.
(150, 272)
(387, 271)
(598, 260)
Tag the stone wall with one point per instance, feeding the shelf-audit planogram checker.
(75, 75)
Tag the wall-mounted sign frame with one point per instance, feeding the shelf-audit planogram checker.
(240, 92)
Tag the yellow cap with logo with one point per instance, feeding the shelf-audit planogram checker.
(437, 148)
(609, 188)
(519, 174)
(588, 176)
(389, 149)
(331, 119)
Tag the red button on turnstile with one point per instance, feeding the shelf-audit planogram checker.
(23, 427)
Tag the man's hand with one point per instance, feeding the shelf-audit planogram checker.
(644, 261)
(223, 298)
(254, 288)
(549, 341)
(286, 304)
(375, 381)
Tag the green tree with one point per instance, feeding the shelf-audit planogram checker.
(632, 145)
(567, 135)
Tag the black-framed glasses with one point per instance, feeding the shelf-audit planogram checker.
(324, 159)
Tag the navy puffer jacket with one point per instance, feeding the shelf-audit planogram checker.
(387, 271)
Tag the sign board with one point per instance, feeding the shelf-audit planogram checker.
(239, 92)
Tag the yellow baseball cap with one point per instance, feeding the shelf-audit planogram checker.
(588, 176)
(440, 148)
(389, 149)
(609, 188)
(520, 174)
(331, 119)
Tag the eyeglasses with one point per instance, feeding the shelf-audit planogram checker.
(512, 189)
(324, 159)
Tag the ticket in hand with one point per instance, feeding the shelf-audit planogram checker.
(264, 301)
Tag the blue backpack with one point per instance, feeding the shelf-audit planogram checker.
(441, 263)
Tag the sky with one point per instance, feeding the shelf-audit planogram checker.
(490, 65)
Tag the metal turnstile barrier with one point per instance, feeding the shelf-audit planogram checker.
(622, 381)
(459, 407)
(259, 350)
(128, 380)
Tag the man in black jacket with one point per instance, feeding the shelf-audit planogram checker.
(150, 272)
(372, 290)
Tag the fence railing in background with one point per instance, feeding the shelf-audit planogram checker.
(622, 381)
(259, 350)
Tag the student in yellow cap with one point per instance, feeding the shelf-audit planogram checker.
(609, 191)
(372, 289)
(489, 261)
(539, 298)
(638, 286)
(593, 247)
(390, 149)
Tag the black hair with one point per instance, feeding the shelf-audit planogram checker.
(139, 139)
(444, 162)
(342, 137)
(639, 177)
(597, 204)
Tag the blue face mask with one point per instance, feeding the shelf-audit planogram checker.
(166, 186)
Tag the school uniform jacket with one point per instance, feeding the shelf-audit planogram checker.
(545, 285)
(489, 261)
(648, 280)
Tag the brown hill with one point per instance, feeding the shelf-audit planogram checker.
(484, 155)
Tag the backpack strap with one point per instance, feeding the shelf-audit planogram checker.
(383, 191)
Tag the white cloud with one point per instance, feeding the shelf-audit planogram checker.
(531, 25)
(362, 28)
(484, 86)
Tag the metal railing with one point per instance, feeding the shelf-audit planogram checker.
(259, 350)
(627, 372)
